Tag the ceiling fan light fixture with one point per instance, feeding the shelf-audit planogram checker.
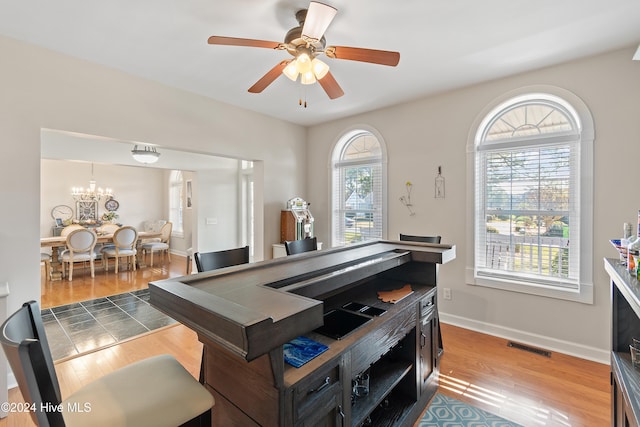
(146, 155)
(319, 16)
(303, 63)
(291, 70)
(307, 78)
(320, 69)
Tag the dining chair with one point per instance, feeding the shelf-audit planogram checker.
(160, 246)
(69, 228)
(422, 239)
(189, 258)
(45, 258)
(79, 248)
(302, 245)
(157, 391)
(105, 229)
(124, 246)
(108, 228)
(206, 261)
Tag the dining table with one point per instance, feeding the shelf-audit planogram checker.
(56, 242)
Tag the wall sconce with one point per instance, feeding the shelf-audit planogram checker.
(406, 200)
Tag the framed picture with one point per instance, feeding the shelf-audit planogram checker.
(59, 222)
(189, 195)
(87, 210)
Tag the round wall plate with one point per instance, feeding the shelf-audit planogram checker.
(111, 205)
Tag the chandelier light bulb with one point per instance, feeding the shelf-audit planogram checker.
(91, 193)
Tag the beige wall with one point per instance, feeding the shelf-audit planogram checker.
(434, 131)
(42, 89)
(139, 191)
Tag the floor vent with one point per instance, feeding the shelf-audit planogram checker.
(530, 349)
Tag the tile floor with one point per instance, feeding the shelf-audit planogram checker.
(84, 326)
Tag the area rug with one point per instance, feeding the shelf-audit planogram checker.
(87, 326)
(445, 411)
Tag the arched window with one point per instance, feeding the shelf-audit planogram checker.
(175, 202)
(533, 198)
(358, 188)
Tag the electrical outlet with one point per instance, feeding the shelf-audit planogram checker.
(446, 293)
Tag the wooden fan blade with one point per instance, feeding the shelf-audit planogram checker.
(374, 56)
(234, 41)
(331, 86)
(268, 78)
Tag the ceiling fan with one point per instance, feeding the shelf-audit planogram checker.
(305, 42)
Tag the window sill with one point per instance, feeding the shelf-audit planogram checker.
(583, 295)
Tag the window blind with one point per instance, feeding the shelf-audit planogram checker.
(527, 224)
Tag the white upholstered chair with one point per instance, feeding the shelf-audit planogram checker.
(108, 228)
(124, 246)
(80, 244)
(105, 229)
(69, 228)
(160, 246)
(153, 226)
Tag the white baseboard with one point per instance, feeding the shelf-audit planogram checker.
(539, 341)
(177, 252)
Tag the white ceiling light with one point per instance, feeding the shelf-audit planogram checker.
(147, 155)
(310, 70)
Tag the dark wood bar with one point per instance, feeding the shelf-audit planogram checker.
(625, 324)
(244, 315)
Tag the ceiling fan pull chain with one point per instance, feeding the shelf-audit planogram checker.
(303, 94)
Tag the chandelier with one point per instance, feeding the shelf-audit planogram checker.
(91, 193)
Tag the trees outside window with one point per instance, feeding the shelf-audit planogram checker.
(531, 197)
(358, 188)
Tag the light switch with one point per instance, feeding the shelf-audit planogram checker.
(212, 221)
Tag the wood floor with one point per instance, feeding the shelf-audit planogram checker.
(84, 288)
(479, 369)
(524, 387)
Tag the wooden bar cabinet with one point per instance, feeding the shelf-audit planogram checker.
(625, 323)
(245, 314)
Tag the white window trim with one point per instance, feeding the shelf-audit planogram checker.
(584, 293)
(176, 232)
(334, 157)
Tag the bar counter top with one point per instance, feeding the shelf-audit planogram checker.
(254, 308)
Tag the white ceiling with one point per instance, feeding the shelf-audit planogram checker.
(442, 44)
